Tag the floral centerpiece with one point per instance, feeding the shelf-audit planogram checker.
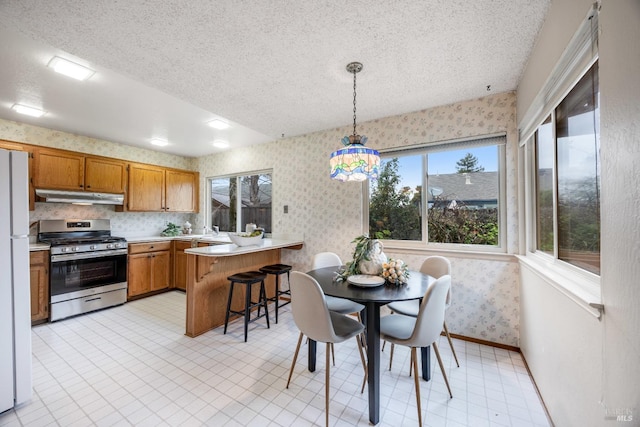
(395, 271)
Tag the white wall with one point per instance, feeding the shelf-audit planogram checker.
(588, 370)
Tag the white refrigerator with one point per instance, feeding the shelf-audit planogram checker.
(15, 305)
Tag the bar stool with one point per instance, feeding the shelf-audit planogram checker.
(277, 270)
(247, 278)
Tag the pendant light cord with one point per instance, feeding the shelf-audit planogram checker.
(354, 102)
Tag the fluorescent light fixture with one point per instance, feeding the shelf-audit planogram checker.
(70, 69)
(29, 111)
(159, 142)
(218, 124)
(220, 143)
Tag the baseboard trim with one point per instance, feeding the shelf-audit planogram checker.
(484, 342)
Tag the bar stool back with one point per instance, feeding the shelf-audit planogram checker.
(247, 278)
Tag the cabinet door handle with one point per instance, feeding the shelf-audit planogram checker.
(88, 186)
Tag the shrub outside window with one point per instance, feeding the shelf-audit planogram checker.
(444, 194)
(239, 200)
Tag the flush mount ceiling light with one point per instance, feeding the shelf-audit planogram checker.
(220, 143)
(29, 111)
(159, 142)
(70, 69)
(218, 124)
(354, 162)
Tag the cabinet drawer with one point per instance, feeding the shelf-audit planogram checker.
(38, 257)
(137, 248)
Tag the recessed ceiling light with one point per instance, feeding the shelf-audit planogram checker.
(159, 142)
(218, 124)
(29, 111)
(70, 69)
(220, 143)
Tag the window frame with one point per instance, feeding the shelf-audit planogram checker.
(440, 146)
(207, 207)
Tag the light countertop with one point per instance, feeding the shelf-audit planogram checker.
(205, 238)
(231, 249)
(38, 246)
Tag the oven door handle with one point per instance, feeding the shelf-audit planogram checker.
(87, 255)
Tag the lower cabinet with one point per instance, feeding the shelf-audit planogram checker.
(39, 282)
(149, 268)
(180, 264)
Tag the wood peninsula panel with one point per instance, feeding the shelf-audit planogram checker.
(208, 287)
(59, 169)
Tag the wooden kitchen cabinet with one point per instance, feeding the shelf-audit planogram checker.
(39, 282)
(68, 170)
(157, 189)
(181, 191)
(59, 169)
(180, 264)
(149, 268)
(104, 175)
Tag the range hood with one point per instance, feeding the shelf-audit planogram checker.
(80, 197)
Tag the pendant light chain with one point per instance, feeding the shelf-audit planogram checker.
(354, 102)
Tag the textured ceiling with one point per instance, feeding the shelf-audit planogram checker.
(270, 68)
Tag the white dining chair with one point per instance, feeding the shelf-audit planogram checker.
(420, 331)
(434, 266)
(312, 316)
(337, 305)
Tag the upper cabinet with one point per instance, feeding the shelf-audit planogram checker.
(68, 170)
(153, 188)
(105, 175)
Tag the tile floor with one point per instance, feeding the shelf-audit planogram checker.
(132, 365)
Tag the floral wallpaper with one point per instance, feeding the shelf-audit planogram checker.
(328, 214)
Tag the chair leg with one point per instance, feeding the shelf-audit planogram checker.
(383, 344)
(277, 295)
(247, 311)
(446, 381)
(391, 356)
(453, 350)
(364, 363)
(326, 390)
(416, 382)
(333, 354)
(226, 317)
(263, 296)
(295, 358)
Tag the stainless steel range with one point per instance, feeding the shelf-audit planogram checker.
(88, 266)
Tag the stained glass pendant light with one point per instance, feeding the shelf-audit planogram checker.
(354, 162)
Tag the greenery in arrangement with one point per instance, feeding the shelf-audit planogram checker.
(395, 212)
(171, 230)
(364, 245)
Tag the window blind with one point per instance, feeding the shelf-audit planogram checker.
(498, 139)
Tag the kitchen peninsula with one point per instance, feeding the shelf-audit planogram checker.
(207, 271)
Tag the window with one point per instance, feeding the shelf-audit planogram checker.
(458, 186)
(238, 200)
(567, 157)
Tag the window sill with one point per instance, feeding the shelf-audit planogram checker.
(457, 251)
(581, 288)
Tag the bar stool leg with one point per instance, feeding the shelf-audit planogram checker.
(247, 310)
(277, 295)
(226, 317)
(263, 296)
